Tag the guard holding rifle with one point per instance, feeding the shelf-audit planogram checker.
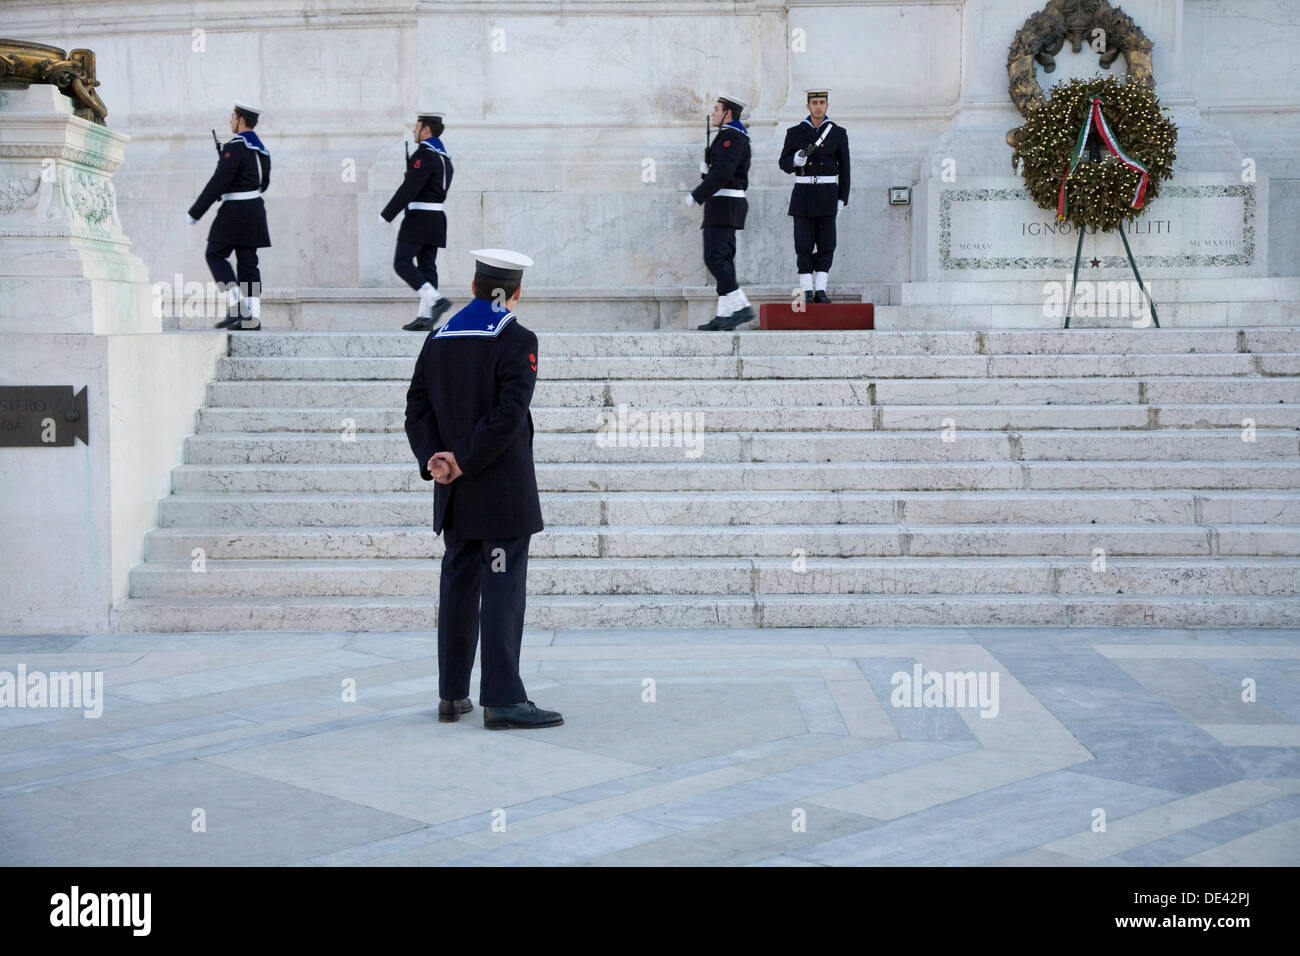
(725, 175)
(243, 173)
(424, 223)
(817, 152)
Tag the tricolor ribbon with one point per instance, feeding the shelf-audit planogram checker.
(1103, 130)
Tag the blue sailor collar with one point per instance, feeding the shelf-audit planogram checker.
(435, 144)
(808, 119)
(252, 142)
(735, 124)
(480, 318)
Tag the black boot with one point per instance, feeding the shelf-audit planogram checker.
(738, 318)
(807, 296)
(450, 710)
(524, 715)
(429, 323)
(821, 296)
(232, 319)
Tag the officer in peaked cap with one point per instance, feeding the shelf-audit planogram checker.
(424, 223)
(468, 423)
(725, 176)
(816, 151)
(243, 173)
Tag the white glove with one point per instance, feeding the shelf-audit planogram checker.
(840, 206)
(704, 167)
(801, 158)
(191, 220)
(689, 200)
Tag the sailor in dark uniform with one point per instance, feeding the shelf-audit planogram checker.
(817, 152)
(424, 224)
(468, 423)
(243, 173)
(725, 175)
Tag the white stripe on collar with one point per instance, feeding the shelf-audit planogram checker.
(435, 149)
(477, 332)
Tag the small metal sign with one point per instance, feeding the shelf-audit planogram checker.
(42, 415)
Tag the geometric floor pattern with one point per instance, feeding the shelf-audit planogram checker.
(766, 747)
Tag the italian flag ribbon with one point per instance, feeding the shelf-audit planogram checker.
(1103, 130)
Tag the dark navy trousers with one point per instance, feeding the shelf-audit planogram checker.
(492, 573)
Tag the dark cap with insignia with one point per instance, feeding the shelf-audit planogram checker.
(500, 264)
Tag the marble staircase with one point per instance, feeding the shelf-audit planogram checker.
(1045, 477)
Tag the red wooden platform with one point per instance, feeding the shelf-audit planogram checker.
(835, 315)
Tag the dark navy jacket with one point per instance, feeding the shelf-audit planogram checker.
(469, 395)
(244, 166)
(728, 160)
(428, 177)
(831, 158)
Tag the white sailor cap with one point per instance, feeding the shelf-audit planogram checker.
(241, 105)
(500, 264)
(728, 98)
(430, 114)
(817, 91)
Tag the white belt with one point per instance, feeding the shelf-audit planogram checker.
(734, 193)
(431, 206)
(250, 194)
(814, 180)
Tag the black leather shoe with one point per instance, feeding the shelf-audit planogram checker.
(525, 715)
(738, 318)
(232, 319)
(450, 710)
(821, 296)
(807, 296)
(711, 325)
(422, 324)
(439, 310)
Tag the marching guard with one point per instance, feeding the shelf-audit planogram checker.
(817, 152)
(242, 175)
(424, 223)
(725, 175)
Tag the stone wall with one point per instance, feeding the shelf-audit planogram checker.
(577, 127)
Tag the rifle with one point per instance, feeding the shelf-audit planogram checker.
(216, 142)
(706, 142)
(808, 150)
(407, 147)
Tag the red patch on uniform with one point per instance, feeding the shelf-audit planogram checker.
(532, 361)
(417, 164)
(227, 155)
(726, 142)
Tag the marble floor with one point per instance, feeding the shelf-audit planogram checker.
(765, 747)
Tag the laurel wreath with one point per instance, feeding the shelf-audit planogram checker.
(1099, 194)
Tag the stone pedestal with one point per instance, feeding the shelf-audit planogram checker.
(63, 254)
(75, 310)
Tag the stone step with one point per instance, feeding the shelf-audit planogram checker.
(768, 476)
(825, 540)
(395, 577)
(817, 610)
(415, 508)
(663, 394)
(308, 344)
(589, 368)
(979, 314)
(1023, 291)
(787, 418)
(692, 445)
